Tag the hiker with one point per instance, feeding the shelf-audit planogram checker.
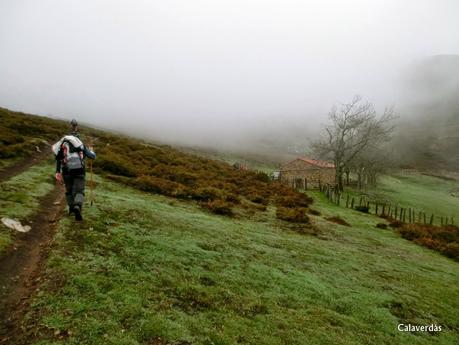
(70, 153)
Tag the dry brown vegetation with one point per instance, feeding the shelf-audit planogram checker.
(338, 220)
(215, 185)
(444, 239)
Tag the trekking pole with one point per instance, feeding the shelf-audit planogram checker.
(91, 184)
(91, 179)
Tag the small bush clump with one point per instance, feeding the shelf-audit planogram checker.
(219, 207)
(363, 209)
(159, 185)
(314, 212)
(207, 194)
(294, 215)
(338, 220)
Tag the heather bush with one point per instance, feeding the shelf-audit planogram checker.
(232, 198)
(219, 207)
(160, 185)
(258, 198)
(294, 215)
(444, 239)
(206, 194)
(115, 164)
(293, 199)
(314, 212)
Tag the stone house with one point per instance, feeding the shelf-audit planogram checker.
(305, 173)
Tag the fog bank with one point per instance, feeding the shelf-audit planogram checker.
(215, 73)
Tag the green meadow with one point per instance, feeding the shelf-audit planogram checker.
(148, 269)
(422, 193)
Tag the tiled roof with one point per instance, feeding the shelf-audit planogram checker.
(316, 162)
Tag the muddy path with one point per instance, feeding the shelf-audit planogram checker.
(25, 163)
(21, 266)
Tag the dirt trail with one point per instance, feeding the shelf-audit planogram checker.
(20, 267)
(24, 164)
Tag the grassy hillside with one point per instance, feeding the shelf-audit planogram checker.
(148, 269)
(265, 163)
(151, 265)
(216, 185)
(429, 194)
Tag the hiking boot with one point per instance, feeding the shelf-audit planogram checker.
(70, 211)
(77, 211)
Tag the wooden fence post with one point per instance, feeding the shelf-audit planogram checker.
(431, 219)
(383, 210)
(352, 203)
(409, 215)
(347, 201)
(395, 213)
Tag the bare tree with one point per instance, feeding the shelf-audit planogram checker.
(352, 128)
(373, 160)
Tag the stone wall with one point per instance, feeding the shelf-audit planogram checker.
(300, 174)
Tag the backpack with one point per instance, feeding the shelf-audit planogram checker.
(72, 156)
(70, 151)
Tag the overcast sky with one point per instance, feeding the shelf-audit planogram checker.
(206, 71)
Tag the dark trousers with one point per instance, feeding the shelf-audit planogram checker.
(74, 189)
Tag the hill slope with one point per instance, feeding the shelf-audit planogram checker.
(160, 169)
(147, 269)
(161, 269)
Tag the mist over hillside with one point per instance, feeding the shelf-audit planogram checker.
(428, 134)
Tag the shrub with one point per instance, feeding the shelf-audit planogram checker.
(452, 250)
(206, 194)
(115, 165)
(232, 198)
(396, 224)
(294, 215)
(444, 239)
(258, 199)
(363, 209)
(261, 176)
(220, 207)
(159, 185)
(10, 151)
(293, 200)
(338, 220)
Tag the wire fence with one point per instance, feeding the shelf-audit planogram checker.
(384, 209)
